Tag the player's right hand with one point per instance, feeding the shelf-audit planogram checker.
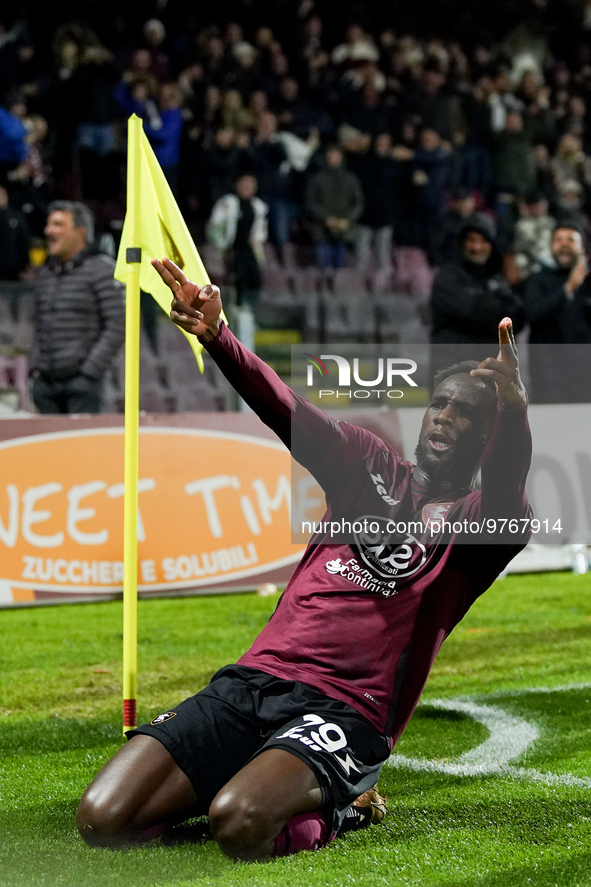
(196, 309)
(504, 369)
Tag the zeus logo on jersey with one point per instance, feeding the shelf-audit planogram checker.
(389, 554)
(381, 489)
(328, 737)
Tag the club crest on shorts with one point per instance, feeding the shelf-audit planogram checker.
(166, 716)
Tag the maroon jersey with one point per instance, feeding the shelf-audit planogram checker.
(362, 619)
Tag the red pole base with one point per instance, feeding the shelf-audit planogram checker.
(129, 714)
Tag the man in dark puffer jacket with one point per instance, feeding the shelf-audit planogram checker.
(79, 316)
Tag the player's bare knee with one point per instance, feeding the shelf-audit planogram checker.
(100, 823)
(240, 827)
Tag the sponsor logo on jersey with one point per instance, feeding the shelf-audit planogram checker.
(166, 716)
(364, 579)
(388, 553)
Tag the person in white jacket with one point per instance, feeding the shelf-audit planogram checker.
(238, 227)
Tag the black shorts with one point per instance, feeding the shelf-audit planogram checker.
(244, 711)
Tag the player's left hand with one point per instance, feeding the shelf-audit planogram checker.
(504, 369)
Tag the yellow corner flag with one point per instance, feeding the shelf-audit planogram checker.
(161, 231)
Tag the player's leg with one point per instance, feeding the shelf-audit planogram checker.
(249, 813)
(172, 768)
(135, 796)
(296, 792)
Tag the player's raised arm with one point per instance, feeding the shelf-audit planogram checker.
(507, 457)
(303, 428)
(504, 370)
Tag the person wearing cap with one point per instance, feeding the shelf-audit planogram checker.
(558, 310)
(471, 294)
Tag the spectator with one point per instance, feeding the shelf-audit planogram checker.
(234, 114)
(334, 201)
(154, 34)
(165, 137)
(576, 121)
(431, 169)
(558, 309)
(475, 155)
(243, 72)
(211, 117)
(238, 227)
(501, 98)
(359, 46)
(301, 116)
(270, 165)
(533, 234)
(92, 84)
(15, 237)
(30, 185)
(219, 166)
(79, 316)
(377, 174)
(437, 110)
(568, 208)
(163, 120)
(471, 296)
(514, 163)
(514, 160)
(447, 245)
(213, 57)
(568, 163)
(13, 145)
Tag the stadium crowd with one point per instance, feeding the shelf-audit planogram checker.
(377, 130)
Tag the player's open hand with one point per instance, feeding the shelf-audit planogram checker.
(196, 309)
(504, 369)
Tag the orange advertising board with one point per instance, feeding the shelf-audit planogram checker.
(213, 508)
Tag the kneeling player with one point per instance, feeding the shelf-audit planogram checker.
(282, 749)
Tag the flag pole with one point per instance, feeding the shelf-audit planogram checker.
(131, 438)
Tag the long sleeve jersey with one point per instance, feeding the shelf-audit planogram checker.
(362, 619)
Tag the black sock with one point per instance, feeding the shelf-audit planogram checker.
(356, 818)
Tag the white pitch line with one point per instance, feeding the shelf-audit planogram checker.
(509, 737)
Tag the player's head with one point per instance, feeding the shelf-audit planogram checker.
(456, 426)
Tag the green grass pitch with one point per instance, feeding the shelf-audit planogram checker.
(490, 785)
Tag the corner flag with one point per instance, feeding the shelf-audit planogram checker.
(153, 228)
(161, 231)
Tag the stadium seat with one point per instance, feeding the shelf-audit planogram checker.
(8, 325)
(409, 261)
(14, 374)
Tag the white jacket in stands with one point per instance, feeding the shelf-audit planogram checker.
(221, 227)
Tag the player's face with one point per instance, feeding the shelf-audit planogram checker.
(455, 429)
